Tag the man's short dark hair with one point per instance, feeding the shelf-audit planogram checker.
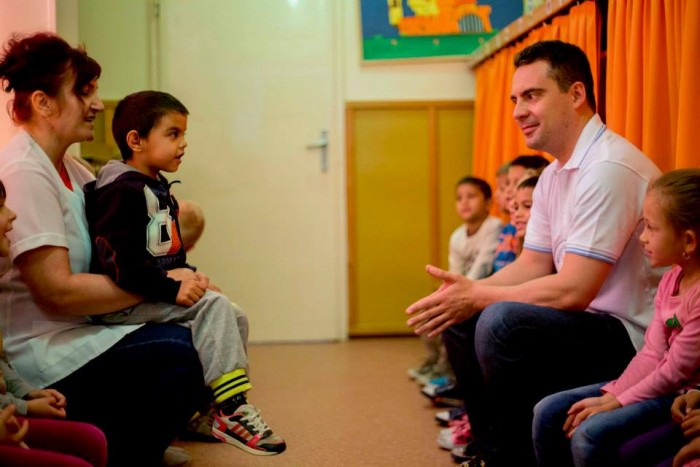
(481, 185)
(568, 64)
(141, 111)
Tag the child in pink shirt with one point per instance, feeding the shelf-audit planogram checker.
(585, 426)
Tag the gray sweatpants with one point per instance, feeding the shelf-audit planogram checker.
(219, 329)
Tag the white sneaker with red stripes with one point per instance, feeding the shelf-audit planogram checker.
(246, 430)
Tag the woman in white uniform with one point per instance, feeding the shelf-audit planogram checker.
(139, 383)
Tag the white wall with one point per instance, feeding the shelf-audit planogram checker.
(23, 16)
(123, 50)
(67, 20)
(117, 35)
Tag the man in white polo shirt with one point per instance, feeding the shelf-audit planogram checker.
(573, 307)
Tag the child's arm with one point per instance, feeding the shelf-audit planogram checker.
(585, 408)
(17, 388)
(27, 400)
(669, 360)
(129, 244)
(58, 398)
(45, 407)
(17, 402)
(182, 274)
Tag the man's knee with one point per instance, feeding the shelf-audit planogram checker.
(459, 337)
(455, 333)
(497, 322)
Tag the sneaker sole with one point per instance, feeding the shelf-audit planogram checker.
(233, 441)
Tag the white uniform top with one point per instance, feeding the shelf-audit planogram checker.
(592, 206)
(43, 347)
(472, 255)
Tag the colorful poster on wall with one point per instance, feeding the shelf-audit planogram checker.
(410, 29)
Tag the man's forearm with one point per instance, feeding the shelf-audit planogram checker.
(523, 269)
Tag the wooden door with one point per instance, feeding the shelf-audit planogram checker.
(403, 162)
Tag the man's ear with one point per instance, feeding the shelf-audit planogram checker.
(42, 104)
(578, 93)
(134, 141)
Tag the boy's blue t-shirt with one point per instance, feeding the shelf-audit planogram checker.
(507, 248)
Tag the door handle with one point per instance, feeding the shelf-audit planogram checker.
(322, 144)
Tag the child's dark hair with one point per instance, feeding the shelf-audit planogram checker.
(3, 193)
(680, 198)
(530, 161)
(42, 62)
(529, 182)
(141, 111)
(482, 185)
(568, 64)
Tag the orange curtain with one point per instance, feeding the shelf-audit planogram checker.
(653, 65)
(497, 138)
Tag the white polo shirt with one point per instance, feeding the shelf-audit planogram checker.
(44, 347)
(592, 206)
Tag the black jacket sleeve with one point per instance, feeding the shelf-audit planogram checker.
(122, 232)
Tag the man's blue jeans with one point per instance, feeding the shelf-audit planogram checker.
(512, 354)
(597, 440)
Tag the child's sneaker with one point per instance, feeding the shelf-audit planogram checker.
(444, 417)
(423, 373)
(448, 395)
(246, 430)
(438, 382)
(458, 434)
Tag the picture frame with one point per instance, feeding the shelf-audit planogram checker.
(429, 30)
